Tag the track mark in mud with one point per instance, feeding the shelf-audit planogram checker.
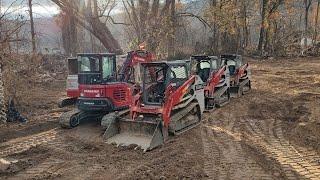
(48, 169)
(22, 144)
(295, 163)
(211, 152)
(225, 157)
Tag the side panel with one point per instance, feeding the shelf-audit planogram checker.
(119, 93)
(72, 86)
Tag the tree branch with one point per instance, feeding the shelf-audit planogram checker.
(187, 14)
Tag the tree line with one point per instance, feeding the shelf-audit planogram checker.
(173, 28)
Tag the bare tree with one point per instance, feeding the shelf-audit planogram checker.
(307, 4)
(269, 8)
(3, 114)
(316, 23)
(33, 34)
(92, 21)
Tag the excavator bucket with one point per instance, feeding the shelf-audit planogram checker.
(145, 134)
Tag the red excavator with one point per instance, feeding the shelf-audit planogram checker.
(170, 101)
(216, 80)
(100, 90)
(72, 83)
(240, 74)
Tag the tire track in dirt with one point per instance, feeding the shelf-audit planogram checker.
(48, 169)
(65, 149)
(19, 145)
(295, 163)
(225, 157)
(211, 152)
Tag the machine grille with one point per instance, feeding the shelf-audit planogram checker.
(119, 94)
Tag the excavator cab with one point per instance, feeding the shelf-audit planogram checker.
(98, 85)
(101, 89)
(96, 68)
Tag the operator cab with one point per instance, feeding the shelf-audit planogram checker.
(232, 61)
(204, 66)
(97, 68)
(98, 85)
(158, 76)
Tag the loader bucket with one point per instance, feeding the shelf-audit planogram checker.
(235, 92)
(145, 134)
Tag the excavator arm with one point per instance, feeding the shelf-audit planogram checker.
(133, 58)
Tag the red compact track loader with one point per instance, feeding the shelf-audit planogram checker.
(216, 80)
(170, 101)
(72, 83)
(240, 74)
(100, 90)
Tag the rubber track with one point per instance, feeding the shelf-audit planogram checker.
(224, 156)
(22, 144)
(295, 163)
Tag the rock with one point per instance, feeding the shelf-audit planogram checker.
(276, 174)
(4, 164)
(302, 124)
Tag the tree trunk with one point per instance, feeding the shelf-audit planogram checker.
(103, 33)
(171, 39)
(264, 24)
(33, 34)
(94, 25)
(316, 23)
(3, 110)
(245, 27)
(307, 4)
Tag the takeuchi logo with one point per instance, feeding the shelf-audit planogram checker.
(91, 91)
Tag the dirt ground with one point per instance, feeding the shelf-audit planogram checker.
(271, 133)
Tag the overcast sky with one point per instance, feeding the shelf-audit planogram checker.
(41, 8)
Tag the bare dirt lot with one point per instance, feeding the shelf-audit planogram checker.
(271, 133)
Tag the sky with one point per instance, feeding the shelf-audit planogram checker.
(41, 8)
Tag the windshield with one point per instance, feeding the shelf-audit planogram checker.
(108, 68)
(204, 64)
(178, 72)
(214, 64)
(154, 83)
(88, 63)
(231, 63)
